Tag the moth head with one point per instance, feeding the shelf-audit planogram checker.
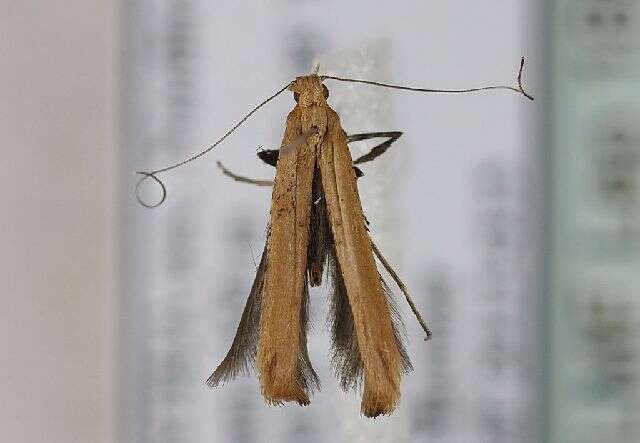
(309, 91)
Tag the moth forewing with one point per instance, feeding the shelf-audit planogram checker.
(377, 344)
(283, 365)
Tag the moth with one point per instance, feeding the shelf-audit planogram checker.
(317, 227)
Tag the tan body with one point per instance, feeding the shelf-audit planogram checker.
(280, 353)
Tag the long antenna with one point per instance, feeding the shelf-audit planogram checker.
(152, 174)
(519, 89)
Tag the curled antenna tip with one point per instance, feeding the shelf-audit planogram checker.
(152, 174)
(520, 87)
(516, 88)
(146, 175)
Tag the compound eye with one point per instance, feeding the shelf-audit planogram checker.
(325, 91)
(296, 96)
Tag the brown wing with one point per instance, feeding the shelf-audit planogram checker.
(345, 354)
(283, 363)
(376, 340)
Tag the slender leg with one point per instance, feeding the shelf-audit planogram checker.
(270, 156)
(242, 179)
(376, 150)
(403, 288)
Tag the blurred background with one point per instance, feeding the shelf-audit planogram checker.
(515, 224)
